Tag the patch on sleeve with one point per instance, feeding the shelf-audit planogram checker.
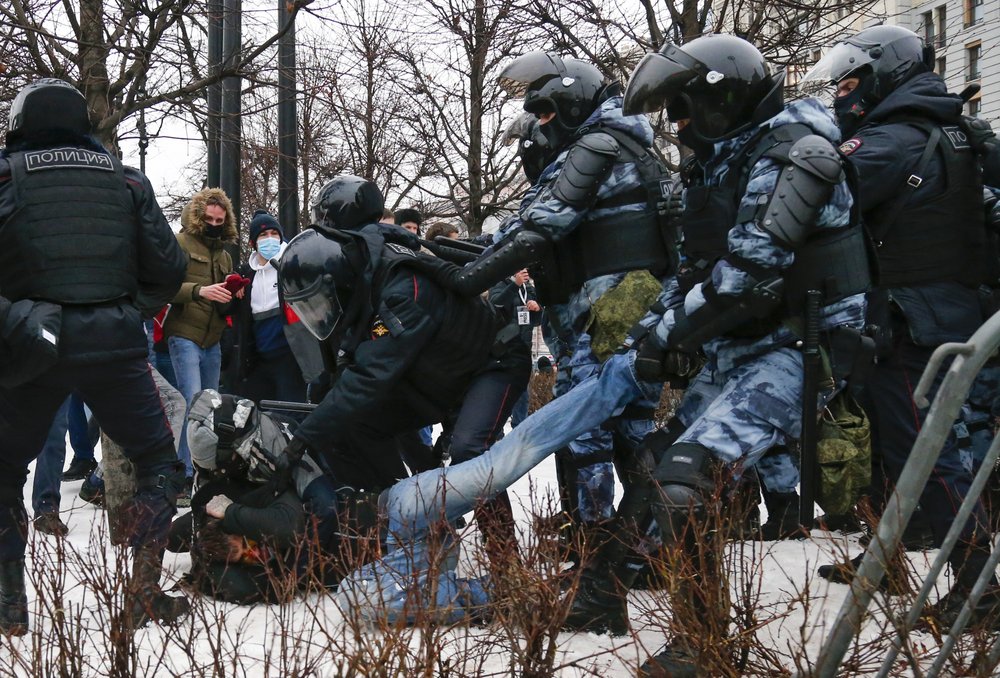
(850, 146)
(379, 329)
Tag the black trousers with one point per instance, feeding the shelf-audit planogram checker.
(896, 421)
(120, 393)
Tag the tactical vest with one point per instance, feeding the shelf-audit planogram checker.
(462, 345)
(939, 237)
(72, 238)
(833, 261)
(621, 242)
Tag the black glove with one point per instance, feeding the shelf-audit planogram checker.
(317, 389)
(980, 133)
(673, 207)
(655, 364)
(286, 461)
(29, 340)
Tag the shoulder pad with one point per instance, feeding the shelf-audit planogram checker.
(818, 157)
(587, 164)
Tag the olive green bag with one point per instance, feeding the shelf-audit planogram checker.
(619, 309)
(843, 454)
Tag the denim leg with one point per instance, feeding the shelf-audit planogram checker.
(79, 429)
(186, 358)
(416, 502)
(211, 366)
(45, 494)
(520, 411)
(397, 587)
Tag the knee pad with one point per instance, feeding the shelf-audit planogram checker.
(685, 476)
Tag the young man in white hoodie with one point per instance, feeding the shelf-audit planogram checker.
(275, 360)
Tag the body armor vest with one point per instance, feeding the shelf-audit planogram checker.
(942, 236)
(833, 261)
(462, 345)
(72, 238)
(631, 241)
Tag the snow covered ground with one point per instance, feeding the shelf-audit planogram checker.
(224, 640)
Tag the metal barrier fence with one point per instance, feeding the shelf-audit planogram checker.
(969, 358)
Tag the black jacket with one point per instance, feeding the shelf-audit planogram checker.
(415, 341)
(885, 151)
(515, 352)
(98, 333)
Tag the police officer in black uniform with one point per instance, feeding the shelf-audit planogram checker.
(85, 239)
(921, 198)
(407, 347)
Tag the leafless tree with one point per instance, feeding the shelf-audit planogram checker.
(124, 55)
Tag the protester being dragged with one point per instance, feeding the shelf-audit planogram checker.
(259, 530)
(276, 354)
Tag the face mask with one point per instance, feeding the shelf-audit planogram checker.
(850, 110)
(703, 150)
(269, 247)
(213, 231)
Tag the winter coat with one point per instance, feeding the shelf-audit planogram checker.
(94, 333)
(191, 317)
(295, 336)
(884, 152)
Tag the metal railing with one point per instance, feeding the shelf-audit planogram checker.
(969, 358)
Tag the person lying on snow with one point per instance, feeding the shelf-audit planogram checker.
(258, 530)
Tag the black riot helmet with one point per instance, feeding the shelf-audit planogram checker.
(318, 278)
(347, 202)
(721, 83)
(532, 146)
(881, 57)
(570, 88)
(48, 108)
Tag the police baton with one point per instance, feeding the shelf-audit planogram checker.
(811, 364)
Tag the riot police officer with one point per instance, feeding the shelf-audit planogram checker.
(595, 197)
(407, 347)
(922, 201)
(84, 239)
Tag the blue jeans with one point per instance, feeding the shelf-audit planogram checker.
(196, 369)
(45, 495)
(382, 589)
(79, 429)
(417, 502)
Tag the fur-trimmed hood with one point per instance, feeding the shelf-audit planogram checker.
(193, 213)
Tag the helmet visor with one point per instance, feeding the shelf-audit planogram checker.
(317, 306)
(657, 81)
(839, 63)
(524, 70)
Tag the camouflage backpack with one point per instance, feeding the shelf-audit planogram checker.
(619, 309)
(843, 454)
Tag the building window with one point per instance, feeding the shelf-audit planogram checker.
(942, 21)
(941, 68)
(974, 107)
(927, 21)
(973, 53)
(973, 12)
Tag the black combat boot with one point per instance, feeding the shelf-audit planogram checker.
(13, 599)
(967, 562)
(146, 600)
(782, 517)
(673, 661)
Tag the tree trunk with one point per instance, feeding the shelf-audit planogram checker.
(119, 486)
(94, 81)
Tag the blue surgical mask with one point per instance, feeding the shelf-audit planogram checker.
(269, 247)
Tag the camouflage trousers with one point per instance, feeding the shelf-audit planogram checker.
(741, 413)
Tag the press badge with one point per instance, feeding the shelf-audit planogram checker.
(523, 315)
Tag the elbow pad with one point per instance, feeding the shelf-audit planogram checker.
(587, 165)
(525, 249)
(804, 187)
